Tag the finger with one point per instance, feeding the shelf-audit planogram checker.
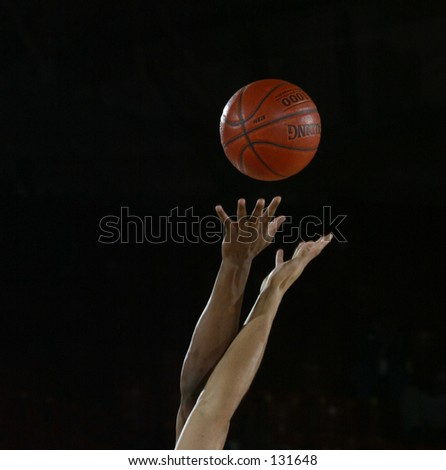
(312, 249)
(225, 219)
(274, 226)
(258, 209)
(299, 248)
(322, 242)
(326, 238)
(271, 209)
(279, 257)
(241, 209)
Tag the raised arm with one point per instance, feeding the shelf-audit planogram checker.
(208, 423)
(219, 322)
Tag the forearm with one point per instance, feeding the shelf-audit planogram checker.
(217, 325)
(209, 421)
(233, 375)
(235, 372)
(229, 286)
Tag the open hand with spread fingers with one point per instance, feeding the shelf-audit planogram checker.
(285, 273)
(247, 236)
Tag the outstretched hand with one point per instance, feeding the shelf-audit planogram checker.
(247, 236)
(286, 273)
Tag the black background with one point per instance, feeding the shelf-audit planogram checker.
(110, 104)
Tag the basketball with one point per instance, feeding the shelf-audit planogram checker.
(270, 129)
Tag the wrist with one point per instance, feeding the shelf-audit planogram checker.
(273, 292)
(236, 263)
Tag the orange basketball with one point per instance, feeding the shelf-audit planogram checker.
(270, 129)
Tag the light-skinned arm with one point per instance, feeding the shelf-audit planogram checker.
(208, 423)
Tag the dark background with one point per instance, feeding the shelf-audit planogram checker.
(106, 104)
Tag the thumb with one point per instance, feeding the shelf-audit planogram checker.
(279, 257)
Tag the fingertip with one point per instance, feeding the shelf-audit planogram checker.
(279, 221)
(221, 214)
(277, 200)
(219, 209)
(271, 209)
(279, 256)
